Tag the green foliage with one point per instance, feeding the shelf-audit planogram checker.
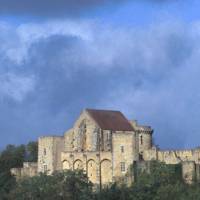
(31, 152)
(7, 182)
(162, 182)
(11, 157)
(159, 174)
(14, 156)
(114, 192)
(72, 185)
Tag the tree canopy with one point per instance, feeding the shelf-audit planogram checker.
(58, 186)
(14, 156)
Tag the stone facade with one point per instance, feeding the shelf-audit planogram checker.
(29, 170)
(49, 153)
(104, 144)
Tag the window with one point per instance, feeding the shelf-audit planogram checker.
(141, 140)
(45, 151)
(108, 136)
(141, 156)
(123, 167)
(122, 149)
(45, 168)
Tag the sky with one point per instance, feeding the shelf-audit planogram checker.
(141, 57)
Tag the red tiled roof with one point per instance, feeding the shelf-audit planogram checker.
(110, 120)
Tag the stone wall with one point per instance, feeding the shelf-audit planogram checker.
(49, 153)
(29, 169)
(97, 165)
(145, 141)
(188, 171)
(189, 160)
(85, 133)
(172, 156)
(68, 138)
(150, 154)
(143, 137)
(123, 152)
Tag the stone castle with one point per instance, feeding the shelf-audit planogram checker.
(105, 144)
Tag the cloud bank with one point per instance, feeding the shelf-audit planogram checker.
(61, 8)
(51, 71)
(50, 7)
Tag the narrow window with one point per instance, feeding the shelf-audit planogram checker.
(122, 165)
(122, 149)
(141, 156)
(108, 136)
(45, 151)
(141, 140)
(45, 168)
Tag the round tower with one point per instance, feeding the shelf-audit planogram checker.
(144, 134)
(143, 138)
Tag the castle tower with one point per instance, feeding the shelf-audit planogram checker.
(143, 137)
(49, 153)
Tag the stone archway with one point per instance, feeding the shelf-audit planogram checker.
(92, 171)
(78, 164)
(66, 165)
(106, 171)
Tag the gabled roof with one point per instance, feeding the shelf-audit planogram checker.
(110, 120)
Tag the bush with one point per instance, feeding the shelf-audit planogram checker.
(72, 185)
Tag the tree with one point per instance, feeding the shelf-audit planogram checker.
(7, 182)
(12, 157)
(69, 185)
(32, 152)
(114, 192)
(157, 178)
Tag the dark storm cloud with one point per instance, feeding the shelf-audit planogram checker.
(58, 8)
(49, 7)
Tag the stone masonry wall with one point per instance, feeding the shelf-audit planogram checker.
(123, 152)
(189, 160)
(188, 171)
(85, 132)
(68, 137)
(172, 156)
(29, 169)
(49, 153)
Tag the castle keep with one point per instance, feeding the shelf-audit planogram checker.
(104, 144)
